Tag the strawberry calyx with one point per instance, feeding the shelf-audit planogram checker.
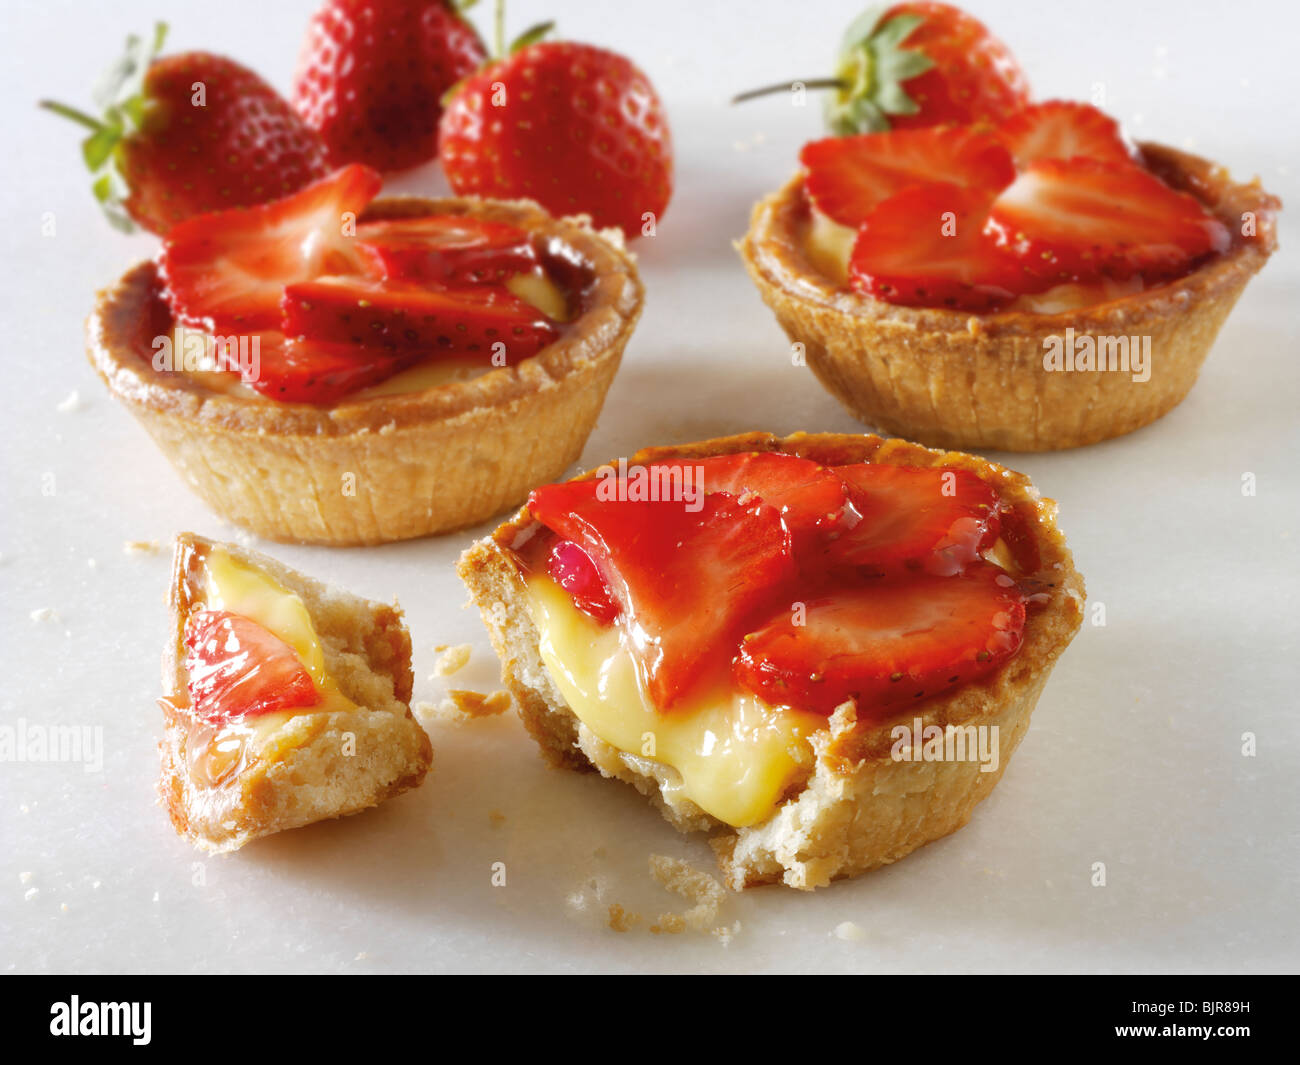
(870, 72)
(123, 102)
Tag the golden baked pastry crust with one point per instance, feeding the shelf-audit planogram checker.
(955, 379)
(421, 462)
(367, 654)
(859, 808)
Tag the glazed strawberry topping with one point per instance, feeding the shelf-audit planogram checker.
(339, 306)
(849, 176)
(293, 370)
(1081, 219)
(239, 669)
(821, 583)
(1061, 129)
(573, 570)
(449, 249)
(226, 271)
(689, 579)
(927, 247)
(886, 645)
(914, 519)
(972, 217)
(398, 316)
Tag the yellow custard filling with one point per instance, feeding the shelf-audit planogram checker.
(217, 751)
(735, 755)
(829, 246)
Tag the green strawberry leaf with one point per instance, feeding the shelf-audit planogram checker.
(531, 36)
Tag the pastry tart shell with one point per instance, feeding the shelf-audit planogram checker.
(859, 808)
(954, 379)
(389, 467)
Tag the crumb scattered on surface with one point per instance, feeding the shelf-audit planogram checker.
(452, 659)
(72, 402)
(362, 955)
(849, 931)
(31, 893)
(496, 818)
(24, 877)
(463, 705)
(45, 613)
(695, 886)
(620, 920)
(91, 563)
(141, 547)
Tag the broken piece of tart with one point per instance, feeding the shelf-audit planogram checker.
(287, 701)
(822, 649)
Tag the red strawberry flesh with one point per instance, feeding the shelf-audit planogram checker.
(886, 645)
(927, 247)
(226, 271)
(688, 581)
(929, 519)
(1082, 219)
(238, 669)
(448, 249)
(847, 177)
(396, 316)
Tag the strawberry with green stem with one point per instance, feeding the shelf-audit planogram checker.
(186, 134)
(916, 64)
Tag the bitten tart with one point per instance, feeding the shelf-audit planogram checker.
(287, 702)
(421, 363)
(768, 636)
(942, 281)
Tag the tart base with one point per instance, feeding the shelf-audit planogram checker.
(953, 379)
(860, 808)
(387, 468)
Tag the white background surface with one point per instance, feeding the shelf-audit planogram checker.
(1134, 755)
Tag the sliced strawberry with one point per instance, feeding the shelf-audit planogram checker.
(239, 669)
(226, 271)
(1061, 129)
(292, 370)
(849, 176)
(885, 645)
(574, 571)
(448, 249)
(927, 519)
(927, 247)
(1081, 219)
(402, 316)
(688, 581)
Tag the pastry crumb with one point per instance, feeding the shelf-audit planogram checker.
(697, 887)
(31, 893)
(141, 547)
(24, 877)
(471, 704)
(849, 931)
(452, 659)
(620, 920)
(44, 613)
(72, 402)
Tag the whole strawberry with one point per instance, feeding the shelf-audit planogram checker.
(191, 133)
(373, 73)
(917, 64)
(576, 128)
